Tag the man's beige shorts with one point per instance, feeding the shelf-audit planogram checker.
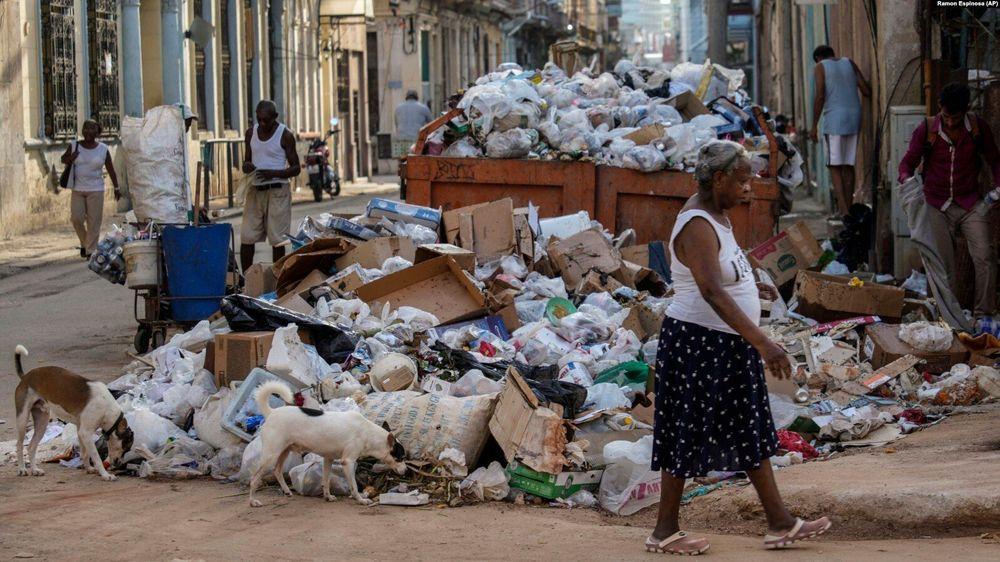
(267, 214)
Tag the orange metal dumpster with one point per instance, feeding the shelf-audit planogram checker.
(649, 203)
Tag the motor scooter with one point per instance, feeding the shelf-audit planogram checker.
(322, 176)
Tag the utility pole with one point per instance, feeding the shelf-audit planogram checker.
(716, 16)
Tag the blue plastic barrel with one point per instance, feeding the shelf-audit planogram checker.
(196, 259)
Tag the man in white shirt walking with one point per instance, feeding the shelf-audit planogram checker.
(271, 157)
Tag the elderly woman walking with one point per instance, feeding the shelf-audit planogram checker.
(712, 408)
(85, 160)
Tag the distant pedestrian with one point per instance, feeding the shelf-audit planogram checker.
(952, 146)
(836, 99)
(410, 117)
(86, 158)
(270, 156)
(712, 411)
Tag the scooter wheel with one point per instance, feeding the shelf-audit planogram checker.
(336, 187)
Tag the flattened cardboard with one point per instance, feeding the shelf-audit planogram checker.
(526, 431)
(638, 255)
(890, 371)
(883, 346)
(295, 303)
(371, 254)
(438, 286)
(238, 353)
(493, 230)
(466, 259)
(785, 254)
(258, 279)
(575, 256)
(647, 134)
(346, 284)
(828, 297)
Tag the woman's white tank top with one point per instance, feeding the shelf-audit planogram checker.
(737, 279)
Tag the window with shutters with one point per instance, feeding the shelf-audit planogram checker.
(102, 28)
(227, 86)
(58, 68)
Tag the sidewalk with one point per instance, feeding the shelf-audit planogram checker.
(59, 243)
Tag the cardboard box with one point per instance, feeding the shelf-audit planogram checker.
(883, 346)
(527, 431)
(295, 302)
(438, 286)
(403, 212)
(577, 255)
(688, 105)
(647, 134)
(371, 254)
(828, 297)
(510, 318)
(493, 233)
(552, 486)
(238, 353)
(320, 254)
(784, 255)
(315, 277)
(466, 259)
(258, 279)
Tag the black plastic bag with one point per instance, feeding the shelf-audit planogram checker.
(569, 395)
(247, 314)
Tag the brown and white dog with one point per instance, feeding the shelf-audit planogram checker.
(55, 392)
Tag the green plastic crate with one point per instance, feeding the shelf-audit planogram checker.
(552, 486)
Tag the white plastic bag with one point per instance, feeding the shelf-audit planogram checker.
(916, 282)
(544, 287)
(251, 459)
(395, 264)
(529, 311)
(487, 483)
(606, 396)
(151, 431)
(289, 356)
(514, 143)
(208, 420)
(153, 148)
(644, 159)
(418, 320)
(226, 461)
(925, 336)
(463, 148)
(628, 483)
(474, 382)
(307, 478)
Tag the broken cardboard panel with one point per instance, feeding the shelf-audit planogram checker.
(346, 284)
(466, 259)
(320, 254)
(638, 255)
(258, 280)
(451, 222)
(785, 254)
(890, 371)
(437, 286)
(371, 254)
(828, 297)
(577, 255)
(883, 346)
(633, 322)
(647, 134)
(688, 105)
(524, 235)
(296, 303)
(493, 233)
(597, 282)
(525, 430)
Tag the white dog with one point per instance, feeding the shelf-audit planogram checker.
(345, 436)
(53, 391)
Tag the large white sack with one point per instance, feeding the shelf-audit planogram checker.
(153, 148)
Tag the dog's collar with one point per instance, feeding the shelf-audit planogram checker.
(110, 430)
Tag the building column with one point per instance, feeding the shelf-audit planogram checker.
(132, 58)
(277, 55)
(254, 79)
(170, 28)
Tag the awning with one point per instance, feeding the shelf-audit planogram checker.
(345, 8)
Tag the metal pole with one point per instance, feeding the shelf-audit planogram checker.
(229, 172)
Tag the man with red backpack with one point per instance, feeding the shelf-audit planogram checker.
(948, 148)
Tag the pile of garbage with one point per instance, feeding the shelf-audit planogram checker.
(510, 355)
(640, 118)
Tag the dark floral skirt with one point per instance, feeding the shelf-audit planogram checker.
(712, 410)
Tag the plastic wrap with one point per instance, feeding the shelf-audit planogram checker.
(644, 159)
(515, 143)
(463, 148)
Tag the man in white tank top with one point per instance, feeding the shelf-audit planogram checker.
(271, 158)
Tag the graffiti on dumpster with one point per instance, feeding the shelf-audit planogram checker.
(454, 171)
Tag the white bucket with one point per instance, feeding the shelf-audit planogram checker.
(140, 263)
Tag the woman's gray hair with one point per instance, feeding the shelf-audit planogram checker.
(717, 156)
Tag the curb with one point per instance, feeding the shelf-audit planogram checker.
(229, 213)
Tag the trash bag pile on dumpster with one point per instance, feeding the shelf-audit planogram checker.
(639, 118)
